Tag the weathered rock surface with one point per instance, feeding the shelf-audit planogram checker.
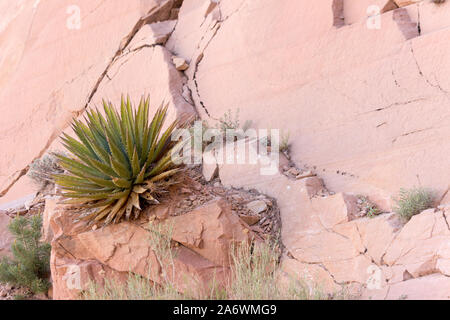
(206, 236)
(432, 287)
(325, 240)
(65, 60)
(6, 237)
(337, 121)
(365, 103)
(313, 275)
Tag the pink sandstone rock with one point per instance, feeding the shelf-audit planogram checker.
(212, 231)
(70, 276)
(446, 198)
(23, 187)
(255, 77)
(314, 276)
(125, 247)
(323, 247)
(62, 62)
(335, 209)
(421, 242)
(353, 270)
(351, 232)
(134, 74)
(432, 287)
(377, 234)
(359, 10)
(193, 22)
(403, 3)
(6, 238)
(50, 207)
(365, 107)
(152, 34)
(303, 216)
(443, 265)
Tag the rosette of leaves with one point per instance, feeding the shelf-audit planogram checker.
(118, 160)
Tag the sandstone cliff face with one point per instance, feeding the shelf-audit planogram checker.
(363, 93)
(365, 101)
(368, 108)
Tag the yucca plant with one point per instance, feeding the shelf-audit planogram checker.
(118, 160)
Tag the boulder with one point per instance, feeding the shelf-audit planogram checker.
(334, 209)
(418, 232)
(377, 234)
(211, 230)
(359, 10)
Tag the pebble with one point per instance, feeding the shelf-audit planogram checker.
(180, 63)
(257, 206)
(293, 171)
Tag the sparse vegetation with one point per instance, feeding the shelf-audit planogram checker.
(368, 208)
(410, 202)
(228, 122)
(118, 161)
(42, 170)
(30, 266)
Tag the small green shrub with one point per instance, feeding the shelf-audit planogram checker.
(228, 122)
(30, 266)
(410, 202)
(117, 161)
